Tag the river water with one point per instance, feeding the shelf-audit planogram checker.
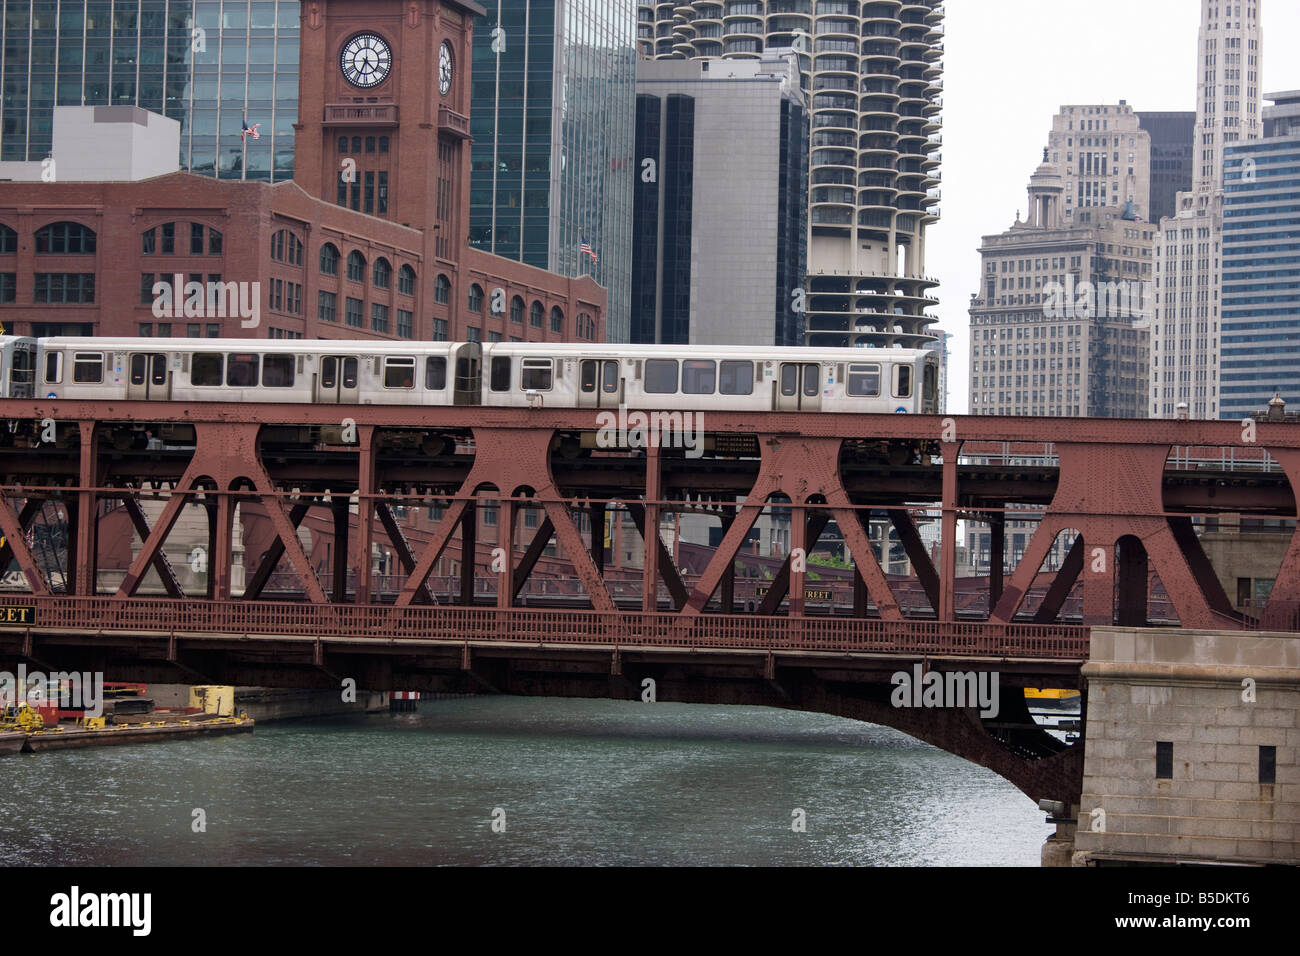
(591, 782)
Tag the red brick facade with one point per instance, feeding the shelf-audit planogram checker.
(275, 235)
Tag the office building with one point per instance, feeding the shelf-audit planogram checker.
(1105, 158)
(1260, 338)
(1058, 326)
(720, 213)
(208, 64)
(1185, 329)
(554, 110)
(367, 241)
(1171, 158)
(872, 75)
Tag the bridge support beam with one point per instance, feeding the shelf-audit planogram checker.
(84, 567)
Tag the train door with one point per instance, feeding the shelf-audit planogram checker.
(798, 387)
(467, 383)
(22, 370)
(147, 377)
(337, 383)
(599, 385)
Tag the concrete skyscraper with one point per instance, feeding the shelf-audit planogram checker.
(871, 73)
(721, 230)
(1185, 331)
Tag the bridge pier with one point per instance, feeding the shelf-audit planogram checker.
(1191, 749)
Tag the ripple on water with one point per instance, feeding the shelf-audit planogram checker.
(592, 782)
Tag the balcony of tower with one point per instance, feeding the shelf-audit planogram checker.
(837, 120)
(743, 28)
(708, 47)
(843, 100)
(936, 13)
(789, 23)
(878, 56)
(831, 219)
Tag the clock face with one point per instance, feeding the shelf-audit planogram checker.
(445, 68)
(366, 60)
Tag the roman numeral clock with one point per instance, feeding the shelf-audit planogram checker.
(366, 60)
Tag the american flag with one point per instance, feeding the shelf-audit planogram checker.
(250, 130)
(586, 250)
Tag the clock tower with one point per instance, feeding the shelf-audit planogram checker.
(383, 111)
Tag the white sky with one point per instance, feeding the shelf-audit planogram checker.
(1009, 65)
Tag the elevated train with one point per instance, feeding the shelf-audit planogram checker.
(510, 375)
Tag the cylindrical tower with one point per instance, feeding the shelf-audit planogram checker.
(871, 70)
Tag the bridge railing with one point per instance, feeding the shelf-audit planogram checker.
(533, 626)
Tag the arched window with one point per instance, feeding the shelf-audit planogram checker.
(557, 319)
(329, 259)
(442, 289)
(8, 240)
(65, 238)
(356, 266)
(406, 280)
(382, 274)
(159, 241)
(535, 314)
(517, 310)
(476, 298)
(286, 247)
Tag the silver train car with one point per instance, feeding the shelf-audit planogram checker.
(500, 375)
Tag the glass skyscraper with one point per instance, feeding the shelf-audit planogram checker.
(553, 124)
(1259, 354)
(207, 63)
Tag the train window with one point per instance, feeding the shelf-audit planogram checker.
(53, 367)
(500, 374)
(22, 368)
(88, 368)
(205, 368)
(137, 369)
(737, 378)
(241, 371)
(609, 378)
(930, 384)
(902, 381)
(277, 371)
(864, 380)
(329, 372)
(661, 376)
(435, 373)
(588, 376)
(536, 374)
(349, 373)
(811, 380)
(789, 379)
(699, 376)
(467, 379)
(399, 372)
(158, 369)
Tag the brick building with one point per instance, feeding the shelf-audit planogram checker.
(370, 239)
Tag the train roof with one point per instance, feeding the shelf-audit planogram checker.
(557, 349)
(106, 343)
(625, 350)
